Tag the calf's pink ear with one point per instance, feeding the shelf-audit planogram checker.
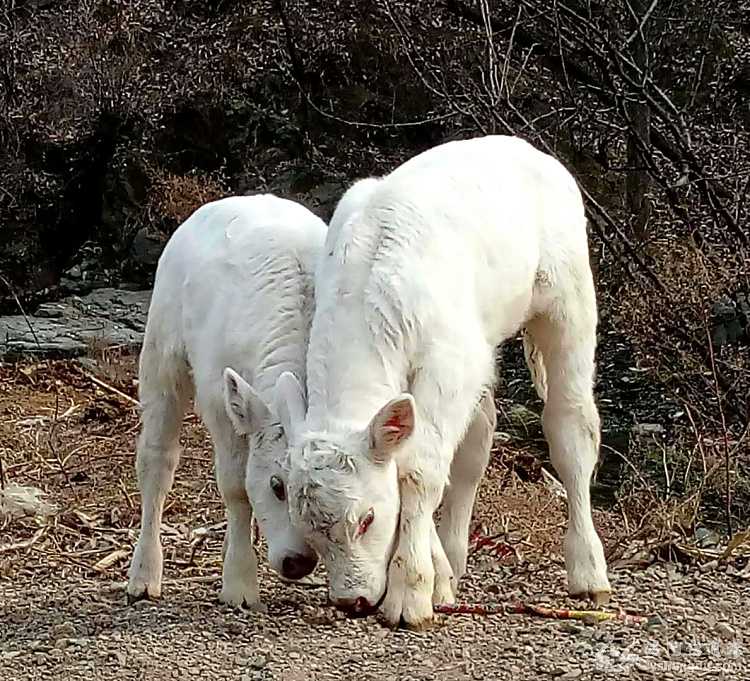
(391, 426)
(246, 410)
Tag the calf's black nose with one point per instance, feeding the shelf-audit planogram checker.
(298, 566)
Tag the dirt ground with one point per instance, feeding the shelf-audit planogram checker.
(63, 613)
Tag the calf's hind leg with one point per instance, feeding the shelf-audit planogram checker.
(566, 338)
(467, 468)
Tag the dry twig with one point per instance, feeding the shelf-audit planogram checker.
(539, 611)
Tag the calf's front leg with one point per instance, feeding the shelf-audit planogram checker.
(240, 569)
(411, 575)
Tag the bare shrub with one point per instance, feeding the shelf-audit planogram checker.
(172, 198)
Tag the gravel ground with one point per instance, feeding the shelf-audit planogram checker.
(82, 629)
(62, 603)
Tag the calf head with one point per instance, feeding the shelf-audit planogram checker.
(344, 495)
(266, 477)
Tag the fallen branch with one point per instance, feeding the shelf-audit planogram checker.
(112, 389)
(110, 559)
(538, 610)
(27, 543)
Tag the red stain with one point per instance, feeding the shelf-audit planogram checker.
(395, 422)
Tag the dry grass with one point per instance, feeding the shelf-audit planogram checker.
(173, 198)
(71, 433)
(62, 432)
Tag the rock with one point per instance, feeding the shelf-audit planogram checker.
(557, 670)
(571, 628)
(706, 537)
(66, 630)
(656, 622)
(647, 429)
(50, 310)
(70, 327)
(257, 662)
(147, 247)
(74, 272)
(675, 600)
(725, 631)
(10, 654)
(710, 566)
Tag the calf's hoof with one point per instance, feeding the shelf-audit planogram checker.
(418, 626)
(241, 597)
(598, 598)
(134, 598)
(141, 590)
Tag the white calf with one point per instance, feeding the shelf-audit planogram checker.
(451, 254)
(471, 457)
(234, 286)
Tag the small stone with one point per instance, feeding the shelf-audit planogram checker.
(572, 674)
(644, 666)
(675, 599)
(655, 622)
(64, 630)
(706, 537)
(647, 429)
(710, 566)
(258, 662)
(558, 671)
(725, 631)
(50, 311)
(571, 628)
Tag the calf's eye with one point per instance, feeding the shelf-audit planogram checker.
(365, 521)
(277, 487)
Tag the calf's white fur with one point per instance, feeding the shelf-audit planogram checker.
(442, 260)
(234, 286)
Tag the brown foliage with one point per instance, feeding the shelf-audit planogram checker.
(173, 198)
